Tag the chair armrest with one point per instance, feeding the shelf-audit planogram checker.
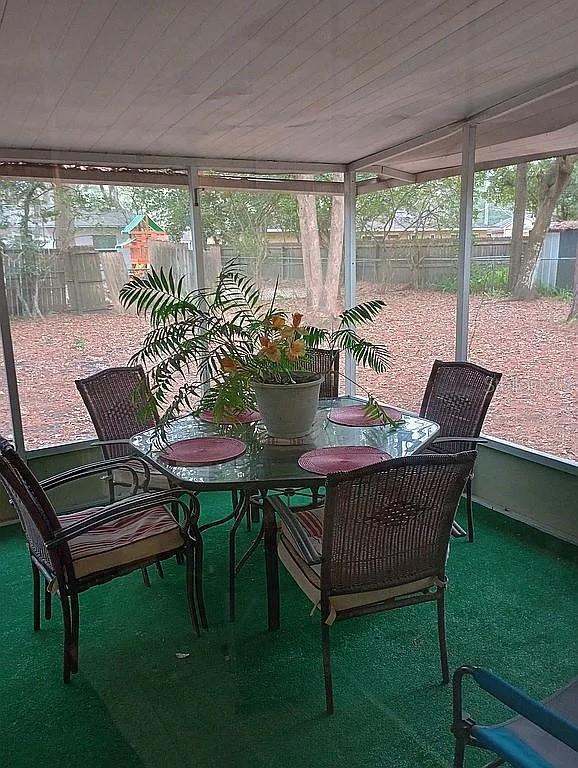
(98, 443)
(124, 508)
(101, 466)
(476, 440)
(517, 700)
(307, 552)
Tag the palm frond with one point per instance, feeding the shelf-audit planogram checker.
(374, 356)
(361, 313)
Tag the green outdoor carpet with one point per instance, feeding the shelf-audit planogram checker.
(246, 697)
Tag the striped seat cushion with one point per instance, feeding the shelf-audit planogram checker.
(308, 577)
(311, 524)
(121, 542)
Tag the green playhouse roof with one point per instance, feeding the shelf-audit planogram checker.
(136, 220)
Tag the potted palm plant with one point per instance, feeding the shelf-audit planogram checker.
(226, 350)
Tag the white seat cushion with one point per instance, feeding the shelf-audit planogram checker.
(308, 577)
(121, 542)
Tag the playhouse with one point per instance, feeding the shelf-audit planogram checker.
(140, 230)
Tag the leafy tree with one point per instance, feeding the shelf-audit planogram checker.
(550, 190)
(169, 206)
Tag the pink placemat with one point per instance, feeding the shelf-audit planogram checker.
(324, 461)
(202, 451)
(355, 416)
(243, 417)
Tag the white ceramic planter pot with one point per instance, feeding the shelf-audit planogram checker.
(288, 410)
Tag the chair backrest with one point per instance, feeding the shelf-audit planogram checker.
(326, 362)
(33, 507)
(120, 405)
(457, 397)
(389, 524)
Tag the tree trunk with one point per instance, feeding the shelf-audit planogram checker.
(335, 256)
(573, 314)
(310, 247)
(551, 186)
(64, 224)
(517, 245)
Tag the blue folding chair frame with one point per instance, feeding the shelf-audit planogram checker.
(500, 739)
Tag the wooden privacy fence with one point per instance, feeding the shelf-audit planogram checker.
(421, 264)
(85, 280)
(44, 281)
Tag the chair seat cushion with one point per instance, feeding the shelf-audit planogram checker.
(119, 543)
(308, 577)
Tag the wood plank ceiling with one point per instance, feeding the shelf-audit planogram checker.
(292, 80)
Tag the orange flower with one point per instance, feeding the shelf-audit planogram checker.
(277, 322)
(229, 365)
(272, 352)
(296, 350)
(297, 319)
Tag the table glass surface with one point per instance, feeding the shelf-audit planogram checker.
(266, 465)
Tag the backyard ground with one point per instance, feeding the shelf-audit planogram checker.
(530, 342)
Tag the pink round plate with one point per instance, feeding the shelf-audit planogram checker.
(324, 461)
(355, 416)
(244, 417)
(202, 451)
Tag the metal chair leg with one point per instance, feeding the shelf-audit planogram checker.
(67, 659)
(470, 510)
(442, 638)
(190, 566)
(459, 753)
(199, 582)
(36, 597)
(327, 677)
(159, 568)
(145, 577)
(75, 624)
(47, 603)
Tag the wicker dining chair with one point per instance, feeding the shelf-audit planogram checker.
(457, 397)
(79, 550)
(120, 405)
(379, 543)
(325, 362)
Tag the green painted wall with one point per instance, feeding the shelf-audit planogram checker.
(541, 496)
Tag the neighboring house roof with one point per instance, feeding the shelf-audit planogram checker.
(562, 226)
(136, 220)
(103, 219)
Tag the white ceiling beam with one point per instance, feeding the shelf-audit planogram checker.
(394, 173)
(377, 185)
(406, 146)
(104, 159)
(271, 185)
(549, 88)
(524, 99)
(47, 172)
(130, 177)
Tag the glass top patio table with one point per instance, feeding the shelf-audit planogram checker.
(265, 465)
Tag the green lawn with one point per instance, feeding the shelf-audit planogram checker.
(246, 697)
